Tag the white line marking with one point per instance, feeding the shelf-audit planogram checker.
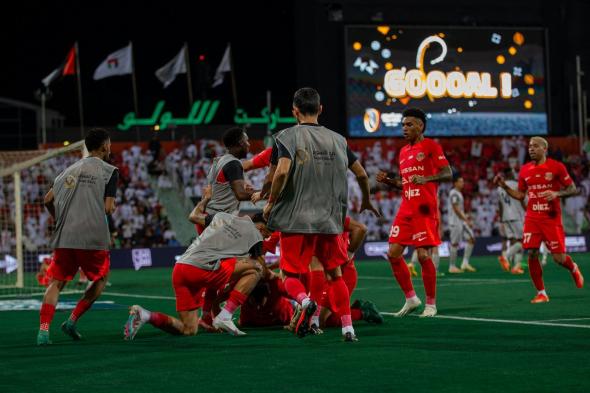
(509, 321)
(565, 319)
(138, 296)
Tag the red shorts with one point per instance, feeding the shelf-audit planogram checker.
(189, 282)
(536, 231)
(67, 261)
(414, 231)
(297, 250)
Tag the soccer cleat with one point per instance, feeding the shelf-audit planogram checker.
(412, 270)
(69, 328)
(429, 311)
(409, 306)
(370, 313)
(468, 268)
(454, 270)
(314, 330)
(349, 337)
(517, 270)
(228, 326)
(577, 276)
(504, 263)
(540, 298)
(206, 323)
(134, 322)
(43, 338)
(302, 326)
(296, 313)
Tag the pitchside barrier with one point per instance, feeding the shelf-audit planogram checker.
(141, 258)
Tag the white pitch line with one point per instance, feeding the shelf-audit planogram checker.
(138, 296)
(508, 321)
(565, 319)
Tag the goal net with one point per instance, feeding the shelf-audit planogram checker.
(25, 224)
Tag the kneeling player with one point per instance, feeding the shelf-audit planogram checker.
(225, 252)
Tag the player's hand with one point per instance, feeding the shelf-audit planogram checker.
(367, 205)
(257, 196)
(248, 187)
(266, 210)
(418, 179)
(381, 177)
(499, 181)
(549, 195)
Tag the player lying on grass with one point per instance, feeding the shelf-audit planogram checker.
(224, 253)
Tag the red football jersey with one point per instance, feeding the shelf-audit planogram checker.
(424, 158)
(534, 179)
(262, 159)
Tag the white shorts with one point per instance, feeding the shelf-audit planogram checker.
(513, 229)
(461, 232)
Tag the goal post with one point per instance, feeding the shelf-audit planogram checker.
(25, 225)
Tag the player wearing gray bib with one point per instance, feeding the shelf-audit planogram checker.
(79, 200)
(224, 253)
(460, 228)
(307, 204)
(512, 219)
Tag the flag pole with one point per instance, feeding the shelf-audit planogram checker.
(233, 78)
(134, 86)
(80, 104)
(189, 84)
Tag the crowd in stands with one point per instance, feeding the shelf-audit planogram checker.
(139, 220)
(477, 162)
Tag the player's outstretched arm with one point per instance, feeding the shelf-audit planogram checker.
(363, 181)
(358, 231)
(198, 214)
(48, 202)
(516, 194)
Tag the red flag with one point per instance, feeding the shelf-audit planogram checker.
(68, 67)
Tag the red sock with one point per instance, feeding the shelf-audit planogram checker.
(339, 298)
(305, 279)
(350, 277)
(159, 320)
(402, 275)
(429, 279)
(356, 314)
(46, 316)
(536, 272)
(568, 263)
(317, 285)
(295, 289)
(236, 299)
(82, 306)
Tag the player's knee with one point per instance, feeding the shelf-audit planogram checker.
(423, 255)
(190, 330)
(394, 252)
(533, 254)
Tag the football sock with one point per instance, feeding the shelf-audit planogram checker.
(46, 316)
(429, 279)
(82, 306)
(536, 272)
(402, 275)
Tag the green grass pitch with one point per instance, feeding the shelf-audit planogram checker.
(487, 338)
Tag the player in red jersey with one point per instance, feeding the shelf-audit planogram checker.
(260, 160)
(422, 164)
(544, 181)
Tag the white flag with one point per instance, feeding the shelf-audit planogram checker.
(176, 66)
(224, 66)
(117, 63)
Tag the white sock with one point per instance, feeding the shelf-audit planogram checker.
(315, 320)
(542, 292)
(453, 256)
(467, 253)
(513, 250)
(413, 299)
(224, 314)
(347, 329)
(305, 302)
(436, 260)
(414, 257)
(144, 314)
(518, 258)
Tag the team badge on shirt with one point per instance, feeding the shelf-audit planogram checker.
(548, 176)
(70, 182)
(302, 156)
(420, 156)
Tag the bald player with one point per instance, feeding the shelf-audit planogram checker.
(544, 180)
